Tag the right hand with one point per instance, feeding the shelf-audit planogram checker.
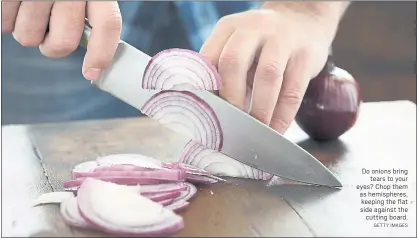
(28, 21)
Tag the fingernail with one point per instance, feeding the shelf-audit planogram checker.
(92, 73)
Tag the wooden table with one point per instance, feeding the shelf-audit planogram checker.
(38, 158)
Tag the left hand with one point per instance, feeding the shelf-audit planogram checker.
(276, 51)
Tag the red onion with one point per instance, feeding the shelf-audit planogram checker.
(162, 188)
(185, 112)
(331, 104)
(134, 169)
(180, 69)
(115, 179)
(129, 159)
(168, 175)
(117, 210)
(178, 206)
(71, 214)
(163, 196)
(217, 163)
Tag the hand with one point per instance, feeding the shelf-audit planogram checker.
(28, 20)
(275, 50)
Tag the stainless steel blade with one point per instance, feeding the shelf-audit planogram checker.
(244, 138)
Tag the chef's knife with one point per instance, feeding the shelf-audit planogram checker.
(244, 138)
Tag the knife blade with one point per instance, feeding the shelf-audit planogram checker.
(244, 138)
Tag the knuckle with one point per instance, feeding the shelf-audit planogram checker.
(270, 71)
(225, 20)
(61, 47)
(291, 97)
(229, 60)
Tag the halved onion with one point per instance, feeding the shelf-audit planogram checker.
(180, 69)
(186, 113)
(218, 163)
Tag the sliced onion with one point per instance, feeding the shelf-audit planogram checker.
(186, 113)
(166, 175)
(87, 166)
(52, 197)
(163, 196)
(166, 202)
(197, 179)
(217, 163)
(177, 206)
(117, 180)
(129, 159)
(188, 194)
(163, 188)
(122, 167)
(180, 69)
(71, 214)
(120, 211)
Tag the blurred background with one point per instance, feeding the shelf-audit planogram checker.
(376, 43)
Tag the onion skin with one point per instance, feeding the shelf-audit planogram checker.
(331, 104)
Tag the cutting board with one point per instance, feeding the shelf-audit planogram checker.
(383, 138)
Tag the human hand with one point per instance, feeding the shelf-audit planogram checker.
(28, 21)
(275, 50)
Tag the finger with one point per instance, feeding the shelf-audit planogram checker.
(268, 80)
(65, 29)
(235, 61)
(106, 21)
(296, 79)
(213, 46)
(8, 15)
(31, 22)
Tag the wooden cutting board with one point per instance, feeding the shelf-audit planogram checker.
(38, 158)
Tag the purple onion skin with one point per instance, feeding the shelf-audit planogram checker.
(331, 104)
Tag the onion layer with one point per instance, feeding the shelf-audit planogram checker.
(134, 169)
(119, 211)
(186, 113)
(217, 163)
(180, 69)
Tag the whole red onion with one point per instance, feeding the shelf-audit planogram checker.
(331, 104)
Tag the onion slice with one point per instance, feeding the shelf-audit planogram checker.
(52, 197)
(217, 163)
(163, 196)
(163, 188)
(180, 69)
(117, 180)
(129, 159)
(118, 210)
(177, 206)
(71, 215)
(87, 166)
(166, 175)
(186, 113)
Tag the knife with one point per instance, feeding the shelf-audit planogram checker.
(244, 138)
